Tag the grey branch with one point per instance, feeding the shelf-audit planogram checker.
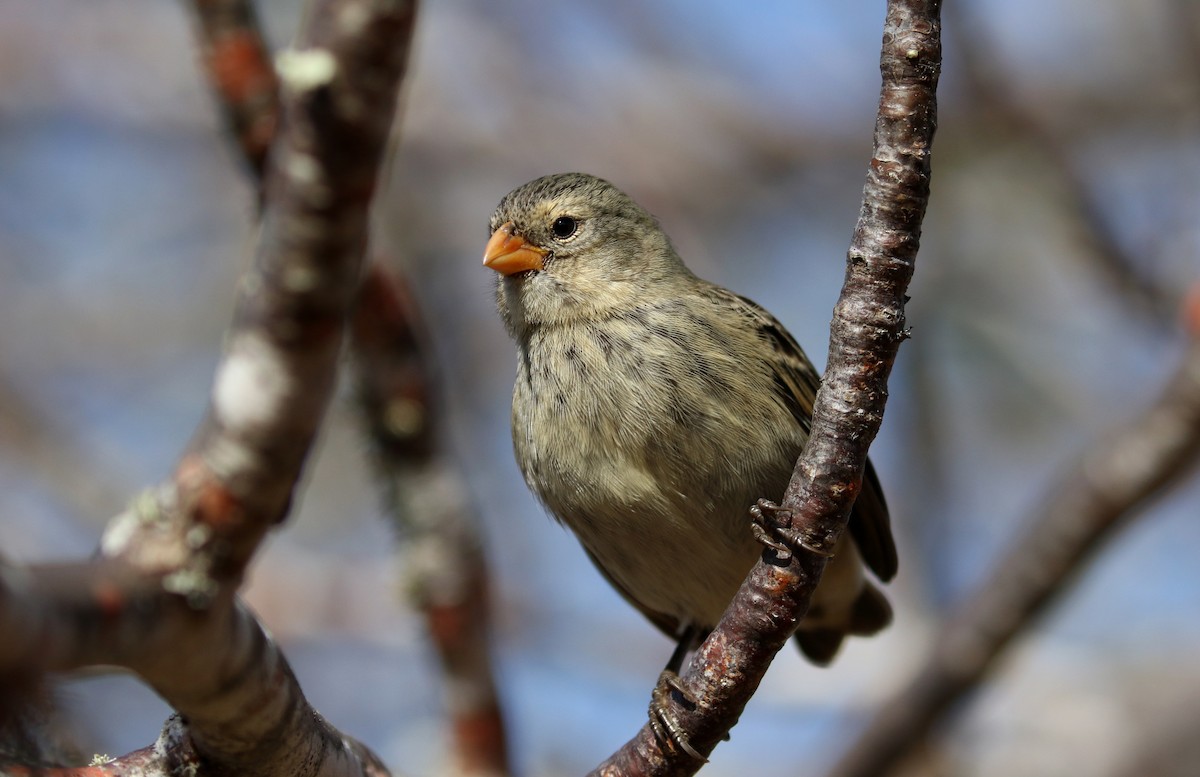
(161, 600)
(440, 542)
(867, 330)
(1119, 475)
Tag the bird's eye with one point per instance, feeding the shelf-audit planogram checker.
(563, 227)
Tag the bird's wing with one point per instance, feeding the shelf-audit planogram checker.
(872, 528)
(797, 381)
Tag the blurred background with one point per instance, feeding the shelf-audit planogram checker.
(1061, 238)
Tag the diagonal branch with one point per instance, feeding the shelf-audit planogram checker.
(423, 488)
(274, 383)
(424, 494)
(239, 68)
(867, 329)
(1120, 475)
(1113, 263)
(162, 598)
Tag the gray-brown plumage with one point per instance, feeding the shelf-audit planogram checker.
(653, 408)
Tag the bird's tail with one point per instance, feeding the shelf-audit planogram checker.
(870, 614)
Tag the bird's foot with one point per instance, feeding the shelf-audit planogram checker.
(662, 720)
(771, 527)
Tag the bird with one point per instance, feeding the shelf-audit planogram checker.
(652, 408)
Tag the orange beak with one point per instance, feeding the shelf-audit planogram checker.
(507, 253)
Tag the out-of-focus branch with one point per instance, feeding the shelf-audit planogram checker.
(425, 496)
(161, 601)
(1110, 260)
(238, 62)
(216, 665)
(170, 756)
(275, 381)
(1118, 476)
(424, 491)
(867, 329)
(395, 387)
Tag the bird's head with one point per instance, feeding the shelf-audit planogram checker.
(572, 247)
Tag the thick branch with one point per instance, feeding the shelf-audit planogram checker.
(243, 706)
(1083, 508)
(161, 601)
(867, 329)
(273, 385)
(424, 490)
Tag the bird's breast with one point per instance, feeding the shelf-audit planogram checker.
(582, 411)
(634, 411)
(651, 443)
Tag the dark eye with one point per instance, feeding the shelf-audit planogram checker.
(563, 227)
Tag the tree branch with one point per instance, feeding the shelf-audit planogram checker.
(243, 706)
(443, 559)
(162, 598)
(424, 493)
(276, 378)
(867, 329)
(240, 70)
(1121, 474)
(1118, 267)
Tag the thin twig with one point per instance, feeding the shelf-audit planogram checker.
(867, 330)
(1116, 265)
(424, 491)
(238, 62)
(1119, 476)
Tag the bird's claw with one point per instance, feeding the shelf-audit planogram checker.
(771, 527)
(662, 720)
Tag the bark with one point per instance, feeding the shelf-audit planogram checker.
(161, 600)
(867, 329)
